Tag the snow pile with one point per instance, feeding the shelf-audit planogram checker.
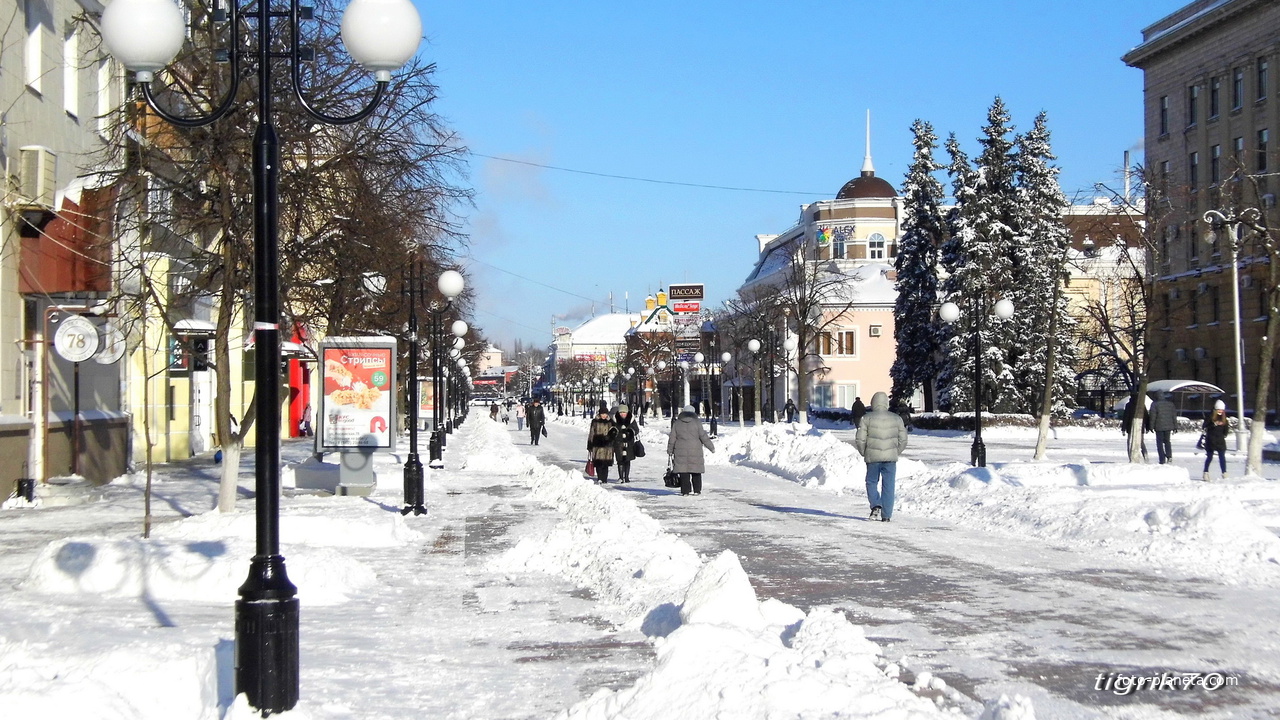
(733, 656)
(1149, 513)
(205, 558)
(811, 458)
(720, 651)
(487, 447)
(604, 543)
(150, 679)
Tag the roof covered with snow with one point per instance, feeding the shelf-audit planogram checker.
(608, 329)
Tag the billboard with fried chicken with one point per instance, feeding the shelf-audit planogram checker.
(358, 402)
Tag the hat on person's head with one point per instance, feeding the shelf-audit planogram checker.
(1219, 405)
(688, 409)
(624, 409)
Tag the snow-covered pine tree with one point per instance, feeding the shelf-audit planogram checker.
(980, 258)
(1038, 270)
(923, 230)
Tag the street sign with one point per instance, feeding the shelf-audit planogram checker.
(76, 339)
(112, 341)
(691, 291)
(686, 307)
(692, 344)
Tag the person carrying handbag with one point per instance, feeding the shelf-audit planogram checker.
(625, 442)
(600, 438)
(685, 449)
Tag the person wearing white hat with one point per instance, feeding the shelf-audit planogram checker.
(1216, 427)
(685, 449)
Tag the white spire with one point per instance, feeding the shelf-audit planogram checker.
(867, 167)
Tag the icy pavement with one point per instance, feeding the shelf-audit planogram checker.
(1031, 579)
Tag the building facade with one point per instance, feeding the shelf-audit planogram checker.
(1211, 109)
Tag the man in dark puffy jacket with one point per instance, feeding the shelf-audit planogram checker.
(881, 438)
(1164, 420)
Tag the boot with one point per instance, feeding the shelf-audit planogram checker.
(1205, 477)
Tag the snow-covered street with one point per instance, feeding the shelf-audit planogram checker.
(529, 592)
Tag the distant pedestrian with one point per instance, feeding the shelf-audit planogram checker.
(493, 412)
(684, 447)
(1126, 423)
(1164, 420)
(790, 410)
(858, 411)
(881, 438)
(624, 443)
(600, 444)
(1216, 427)
(904, 411)
(537, 418)
(304, 426)
(519, 417)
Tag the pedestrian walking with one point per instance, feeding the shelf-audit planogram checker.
(304, 426)
(624, 443)
(520, 417)
(684, 448)
(904, 411)
(858, 411)
(1126, 423)
(537, 419)
(790, 410)
(1216, 427)
(493, 412)
(1164, 420)
(600, 438)
(881, 438)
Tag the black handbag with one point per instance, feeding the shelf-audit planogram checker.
(671, 479)
(638, 449)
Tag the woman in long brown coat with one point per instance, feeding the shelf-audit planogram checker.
(600, 444)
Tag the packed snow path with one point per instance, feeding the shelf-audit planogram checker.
(988, 613)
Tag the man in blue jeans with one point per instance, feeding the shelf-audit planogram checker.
(881, 438)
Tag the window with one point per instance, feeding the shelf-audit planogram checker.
(104, 96)
(1164, 114)
(1193, 307)
(71, 72)
(846, 394)
(1263, 138)
(1237, 88)
(1237, 149)
(33, 52)
(837, 246)
(1214, 306)
(1167, 309)
(1217, 371)
(1193, 248)
(1215, 87)
(1193, 170)
(844, 342)
(1193, 104)
(1262, 79)
(875, 246)
(1264, 311)
(1215, 164)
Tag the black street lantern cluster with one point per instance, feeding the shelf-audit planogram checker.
(145, 36)
(450, 285)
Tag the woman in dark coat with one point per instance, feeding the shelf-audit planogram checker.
(685, 448)
(600, 444)
(1216, 427)
(624, 443)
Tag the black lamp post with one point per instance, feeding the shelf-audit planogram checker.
(413, 491)
(950, 312)
(450, 287)
(145, 36)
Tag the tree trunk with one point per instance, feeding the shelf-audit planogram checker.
(1046, 402)
(1258, 428)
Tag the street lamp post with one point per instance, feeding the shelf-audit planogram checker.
(413, 491)
(753, 346)
(145, 36)
(950, 312)
(684, 382)
(450, 285)
(657, 382)
(1233, 222)
(789, 345)
(725, 358)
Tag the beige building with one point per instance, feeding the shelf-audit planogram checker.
(854, 236)
(1211, 110)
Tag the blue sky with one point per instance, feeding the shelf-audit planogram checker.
(748, 94)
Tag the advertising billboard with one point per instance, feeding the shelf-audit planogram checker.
(358, 400)
(688, 291)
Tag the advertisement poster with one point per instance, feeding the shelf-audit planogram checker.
(358, 398)
(426, 397)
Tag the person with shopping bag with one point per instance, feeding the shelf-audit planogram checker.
(600, 437)
(684, 447)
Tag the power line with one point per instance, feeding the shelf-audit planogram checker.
(647, 180)
(529, 279)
